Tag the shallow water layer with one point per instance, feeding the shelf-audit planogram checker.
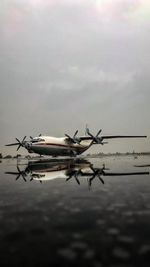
(93, 212)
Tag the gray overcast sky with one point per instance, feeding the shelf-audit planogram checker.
(65, 63)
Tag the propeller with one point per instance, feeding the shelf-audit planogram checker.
(75, 174)
(97, 173)
(19, 173)
(20, 143)
(73, 139)
(95, 138)
(32, 137)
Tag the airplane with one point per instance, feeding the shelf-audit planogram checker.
(67, 145)
(48, 170)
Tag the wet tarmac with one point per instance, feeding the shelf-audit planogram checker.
(93, 212)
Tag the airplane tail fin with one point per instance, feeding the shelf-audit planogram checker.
(86, 129)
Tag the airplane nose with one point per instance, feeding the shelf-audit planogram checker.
(28, 145)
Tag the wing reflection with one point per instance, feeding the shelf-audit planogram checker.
(44, 170)
(143, 165)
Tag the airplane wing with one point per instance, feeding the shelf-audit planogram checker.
(124, 174)
(123, 136)
(98, 140)
(144, 165)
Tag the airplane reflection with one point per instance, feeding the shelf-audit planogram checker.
(143, 165)
(46, 170)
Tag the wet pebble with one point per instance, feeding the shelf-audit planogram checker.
(79, 245)
(120, 205)
(120, 253)
(60, 204)
(96, 208)
(56, 192)
(97, 264)
(75, 210)
(126, 239)
(113, 231)
(100, 222)
(67, 253)
(144, 251)
(16, 236)
(128, 213)
(46, 218)
(76, 235)
(89, 254)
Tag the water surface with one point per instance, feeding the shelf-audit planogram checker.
(74, 217)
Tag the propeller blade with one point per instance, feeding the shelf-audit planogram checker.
(91, 167)
(98, 133)
(93, 137)
(70, 138)
(18, 169)
(74, 139)
(75, 133)
(13, 173)
(90, 180)
(18, 177)
(102, 181)
(67, 136)
(18, 147)
(13, 144)
(24, 138)
(70, 176)
(19, 143)
(23, 176)
(18, 140)
(77, 180)
(90, 134)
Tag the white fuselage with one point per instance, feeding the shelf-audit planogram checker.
(47, 145)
